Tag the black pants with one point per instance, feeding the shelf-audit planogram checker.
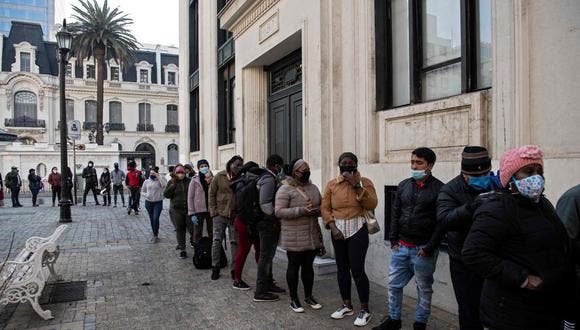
(89, 187)
(119, 189)
(55, 193)
(183, 224)
(107, 196)
(467, 286)
(134, 199)
(300, 261)
(14, 196)
(269, 234)
(34, 196)
(350, 257)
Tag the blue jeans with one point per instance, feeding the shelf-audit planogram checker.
(154, 210)
(404, 265)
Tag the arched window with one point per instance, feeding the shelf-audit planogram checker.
(90, 111)
(41, 170)
(25, 106)
(172, 154)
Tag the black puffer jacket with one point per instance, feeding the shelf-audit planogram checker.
(414, 217)
(454, 215)
(513, 237)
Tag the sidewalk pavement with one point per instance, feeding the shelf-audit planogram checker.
(133, 284)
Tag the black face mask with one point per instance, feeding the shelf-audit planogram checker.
(305, 177)
(347, 168)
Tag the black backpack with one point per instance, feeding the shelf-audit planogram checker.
(202, 254)
(247, 196)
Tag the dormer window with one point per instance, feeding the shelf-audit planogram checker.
(114, 73)
(171, 77)
(69, 69)
(90, 71)
(25, 61)
(143, 72)
(25, 58)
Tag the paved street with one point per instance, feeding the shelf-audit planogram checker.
(133, 284)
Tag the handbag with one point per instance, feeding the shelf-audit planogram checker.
(321, 250)
(372, 223)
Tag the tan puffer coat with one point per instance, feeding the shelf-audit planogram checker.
(300, 232)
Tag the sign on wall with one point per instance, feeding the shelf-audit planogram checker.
(74, 129)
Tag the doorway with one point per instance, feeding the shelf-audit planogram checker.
(285, 107)
(147, 152)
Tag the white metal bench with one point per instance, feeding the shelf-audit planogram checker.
(23, 278)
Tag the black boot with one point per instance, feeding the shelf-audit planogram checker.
(419, 326)
(388, 324)
(215, 273)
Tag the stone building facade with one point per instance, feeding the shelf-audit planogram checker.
(312, 79)
(140, 110)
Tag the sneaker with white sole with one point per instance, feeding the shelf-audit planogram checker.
(295, 305)
(363, 317)
(341, 312)
(241, 285)
(310, 301)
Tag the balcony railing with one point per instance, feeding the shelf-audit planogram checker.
(172, 128)
(116, 126)
(89, 124)
(144, 127)
(24, 122)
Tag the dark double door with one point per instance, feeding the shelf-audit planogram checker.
(285, 107)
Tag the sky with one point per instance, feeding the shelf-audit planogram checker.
(155, 22)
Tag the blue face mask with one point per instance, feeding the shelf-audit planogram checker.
(204, 170)
(479, 182)
(418, 174)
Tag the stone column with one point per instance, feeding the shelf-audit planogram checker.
(183, 110)
(254, 90)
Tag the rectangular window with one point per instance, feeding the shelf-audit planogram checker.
(68, 73)
(144, 113)
(143, 76)
(194, 120)
(91, 111)
(115, 112)
(25, 62)
(170, 78)
(90, 71)
(70, 109)
(172, 115)
(226, 122)
(431, 49)
(114, 73)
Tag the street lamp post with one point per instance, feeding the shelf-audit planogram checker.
(64, 41)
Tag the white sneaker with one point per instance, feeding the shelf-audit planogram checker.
(362, 318)
(341, 312)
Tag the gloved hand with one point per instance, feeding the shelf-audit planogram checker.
(194, 219)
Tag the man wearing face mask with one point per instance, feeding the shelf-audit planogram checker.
(105, 182)
(413, 224)
(54, 181)
(117, 177)
(456, 205)
(91, 182)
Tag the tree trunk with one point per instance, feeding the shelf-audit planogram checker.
(100, 56)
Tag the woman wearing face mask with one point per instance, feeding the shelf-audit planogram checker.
(519, 246)
(346, 199)
(176, 191)
(105, 181)
(298, 206)
(153, 192)
(54, 181)
(197, 203)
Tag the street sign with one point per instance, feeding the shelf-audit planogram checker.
(74, 129)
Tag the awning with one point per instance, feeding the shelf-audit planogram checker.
(5, 136)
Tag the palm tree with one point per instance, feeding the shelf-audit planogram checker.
(102, 33)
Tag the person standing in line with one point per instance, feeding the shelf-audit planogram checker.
(176, 191)
(456, 204)
(221, 209)
(518, 244)
(134, 181)
(197, 204)
(268, 228)
(14, 182)
(298, 207)
(54, 180)
(344, 203)
(189, 172)
(414, 221)
(117, 178)
(568, 208)
(91, 182)
(105, 182)
(35, 185)
(1, 191)
(153, 193)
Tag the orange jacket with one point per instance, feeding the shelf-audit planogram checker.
(343, 201)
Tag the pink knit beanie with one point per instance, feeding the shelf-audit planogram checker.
(514, 159)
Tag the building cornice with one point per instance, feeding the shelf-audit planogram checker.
(240, 15)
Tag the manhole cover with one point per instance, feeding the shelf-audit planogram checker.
(61, 292)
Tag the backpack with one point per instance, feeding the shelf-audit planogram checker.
(202, 254)
(247, 197)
